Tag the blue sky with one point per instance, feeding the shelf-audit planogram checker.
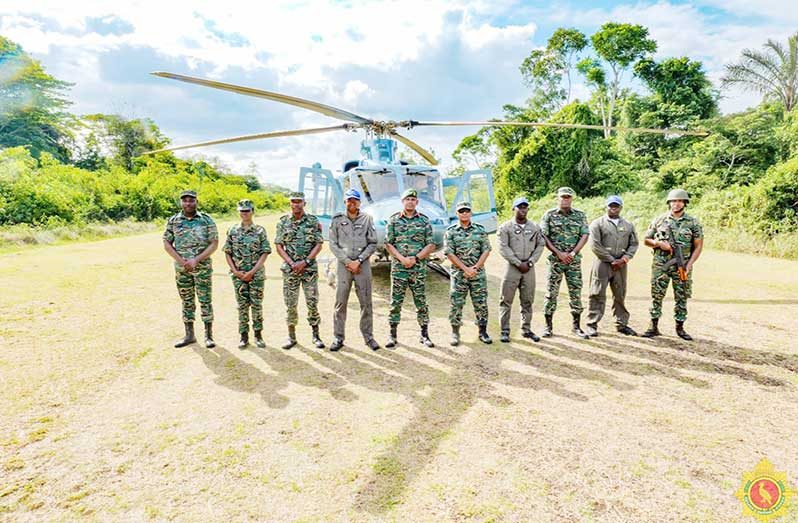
(453, 60)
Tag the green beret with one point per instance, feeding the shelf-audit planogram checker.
(410, 193)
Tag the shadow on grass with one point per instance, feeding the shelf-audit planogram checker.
(444, 383)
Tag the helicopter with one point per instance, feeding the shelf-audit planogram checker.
(379, 175)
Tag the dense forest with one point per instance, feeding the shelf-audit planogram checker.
(58, 168)
(742, 177)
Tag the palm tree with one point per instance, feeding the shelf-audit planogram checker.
(772, 72)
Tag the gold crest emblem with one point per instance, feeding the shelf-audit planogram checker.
(764, 492)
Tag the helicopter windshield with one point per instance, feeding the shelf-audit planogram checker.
(428, 185)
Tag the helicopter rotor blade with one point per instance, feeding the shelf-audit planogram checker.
(416, 147)
(678, 132)
(259, 136)
(327, 110)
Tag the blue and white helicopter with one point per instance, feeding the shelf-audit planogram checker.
(379, 175)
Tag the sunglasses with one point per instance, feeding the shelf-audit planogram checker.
(245, 210)
(463, 211)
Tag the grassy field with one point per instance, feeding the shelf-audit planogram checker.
(102, 418)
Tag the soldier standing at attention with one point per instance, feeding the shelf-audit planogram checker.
(467, 246)
(520, 243)
(246, 249)
(565, 230)
(672, 229)
(353, 240)
(298, 242)
(190, 238)
(409, 241)
(614, 242)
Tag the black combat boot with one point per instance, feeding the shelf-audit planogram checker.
(259, 343)
(505, 337)
(189, 338)
(337, 344)
(424, 338)
(681, 333)
(653, 329)
(291, 340)
(531, 335)
(577, 330)
(372, 344)
(483, 335)
(548, 330)
(392, 337)
(626, 330)
(455, 336)
(316, 339)
(591, 329)
(209, 343)
(244, 341)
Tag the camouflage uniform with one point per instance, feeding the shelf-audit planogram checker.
(468, 244)
(564, 230)
(409, 235)
(684, 230)
(298, 237)
(189, 237)
(246, 245)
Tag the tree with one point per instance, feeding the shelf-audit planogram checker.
(543, 69)
(124, 139)
(567, 42)
(772, 72)
(619, 45)
(476, 151)
(32, 104)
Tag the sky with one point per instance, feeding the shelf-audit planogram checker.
(410, 59)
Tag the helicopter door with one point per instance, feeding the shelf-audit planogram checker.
(323, 194)
(476, 187)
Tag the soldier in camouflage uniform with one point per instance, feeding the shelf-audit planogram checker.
(685, 230)
(298, 242)
(409, 241)
(353, 239)
(566, 232)
(190, 238)
(467, 246)
(246, 249)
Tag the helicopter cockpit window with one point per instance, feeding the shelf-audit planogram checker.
(428, 185)
(377, 185)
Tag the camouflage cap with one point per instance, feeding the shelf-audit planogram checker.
(565, 191)
(245, 205)
(296, 195)
(462, 205)
(188, 192)
(410, 193)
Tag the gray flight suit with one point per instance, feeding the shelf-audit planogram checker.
(352, 240)
(609, 242)
(519, 243)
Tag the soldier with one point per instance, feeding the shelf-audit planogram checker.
(467, 246)
(353, 240)
(614, 242)
(409, 241)
(246, 249)
(672, 229)
(190, 238)
(565, 231)
(520, 243)
(298, 242)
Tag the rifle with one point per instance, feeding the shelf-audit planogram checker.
(678, 257)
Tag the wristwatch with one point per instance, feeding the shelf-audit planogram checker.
(308, 260)
(360, 259)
